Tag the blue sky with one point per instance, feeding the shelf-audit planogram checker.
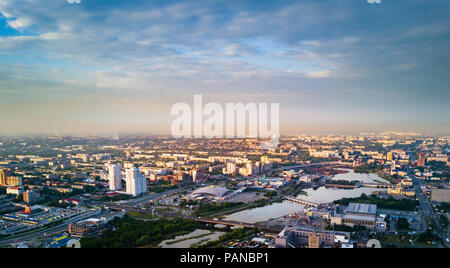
(119, 66)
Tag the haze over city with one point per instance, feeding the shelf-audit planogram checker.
(199, 125)
(119, 66)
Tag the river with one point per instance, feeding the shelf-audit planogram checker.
(320, 195)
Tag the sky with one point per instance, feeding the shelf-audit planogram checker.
(118, 66)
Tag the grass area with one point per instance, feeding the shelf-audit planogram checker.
(208, 209)
(141, 215)
(399, 241)
(388, 178)
(293, 190)
(120, 197)
(162, 188)
(166, 209)
(369, 168)
(131, 233)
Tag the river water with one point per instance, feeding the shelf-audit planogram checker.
(320, 195)
(191, 240)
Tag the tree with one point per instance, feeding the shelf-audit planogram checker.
(403, 224)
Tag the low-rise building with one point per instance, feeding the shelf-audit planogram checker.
(294, 237)
(87, 228)
(360, 215)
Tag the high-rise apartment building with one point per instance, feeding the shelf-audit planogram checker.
(390, 156)
(422, 160)
(135, 181)
(31, 197)
(2, 177)
(115, 177)
(194, 175)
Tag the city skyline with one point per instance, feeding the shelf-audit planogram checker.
(118, 67)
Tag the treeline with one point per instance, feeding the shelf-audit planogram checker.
(119, 197)
(162, 188)
(131, 233)
(390, 203)
(206, 208)
(342, 182)
(444, 207)
(368, 168)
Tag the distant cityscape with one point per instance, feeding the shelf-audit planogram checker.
(311, 191)
(201, 124)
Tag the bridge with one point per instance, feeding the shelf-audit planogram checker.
(377, 185)
(303, 202)
(176, 215)
(226, 223)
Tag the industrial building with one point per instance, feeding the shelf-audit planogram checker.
(87, 228)
(295, 237)
(360, 215)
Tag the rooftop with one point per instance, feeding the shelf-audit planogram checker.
(361, 209)
(211, 190)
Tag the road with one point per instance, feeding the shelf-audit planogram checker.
(62, 227)
(152, 197)
(49, 231)
(183, 216)
(426, 209)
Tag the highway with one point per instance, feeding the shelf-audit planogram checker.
(426, 209)
(49, 231)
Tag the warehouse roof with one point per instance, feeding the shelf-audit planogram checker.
(361, 208)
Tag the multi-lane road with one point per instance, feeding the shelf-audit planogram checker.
(426, 209)
(49, 231)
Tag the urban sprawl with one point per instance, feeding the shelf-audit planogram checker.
(311, 191)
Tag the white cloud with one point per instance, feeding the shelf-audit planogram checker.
(227, 50)
(19, 23)
(320, 74)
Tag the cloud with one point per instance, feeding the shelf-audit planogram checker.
(20, 23)
(320, 74)
(282, 49)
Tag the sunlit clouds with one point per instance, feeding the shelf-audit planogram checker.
(118, 66)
